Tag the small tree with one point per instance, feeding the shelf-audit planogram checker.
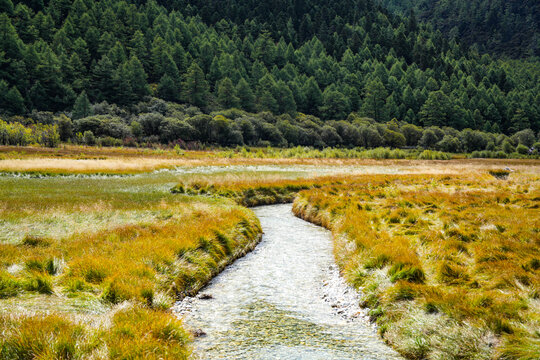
(195, 88)
(245, 95)
(226, 94)
(65, 128)
(82, 107)
(89, 138)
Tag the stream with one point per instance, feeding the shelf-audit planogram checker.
(284, 300)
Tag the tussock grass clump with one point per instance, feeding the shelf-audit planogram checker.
(452, 274)
(500, 174)
(405, 272)
(47, 337)
(140, 333)
(9, 285)
(35, 241)
(39, 282)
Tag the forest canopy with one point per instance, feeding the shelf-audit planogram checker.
(325, 60)
(509, 28)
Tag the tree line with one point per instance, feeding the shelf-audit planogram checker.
(155, 122)
(324, 60)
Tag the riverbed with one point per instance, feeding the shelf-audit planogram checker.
(284, 300)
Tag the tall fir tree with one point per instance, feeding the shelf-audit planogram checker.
(226, 94)
(195, 89)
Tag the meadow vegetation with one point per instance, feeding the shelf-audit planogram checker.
(91, 264)
(89, 268)
(448, 266)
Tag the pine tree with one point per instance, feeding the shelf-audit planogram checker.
(375, 99)
(82, 107)
(137, 78)
(123, 91)
(102, 80)
(195, 88)
(245, 95)
(167, 89)
(226, 95)
(335, 105)
(285, 98)
(267, 102)
(436, 110)
(313, 96)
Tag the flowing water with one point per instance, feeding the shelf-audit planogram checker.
(285, 300)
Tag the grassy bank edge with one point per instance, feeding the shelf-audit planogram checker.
(137, 327)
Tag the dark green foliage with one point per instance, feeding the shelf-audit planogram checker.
(195, 88)
(226, 94)
(327, 59)
(503, 27)
(82, 107)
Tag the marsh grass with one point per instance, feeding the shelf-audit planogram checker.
(253, 192)
(92, 264)
(96, 241)
(446, 264)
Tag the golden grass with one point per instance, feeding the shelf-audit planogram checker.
(71, 159)
(93, 262)
(425, 248)
(109, 241)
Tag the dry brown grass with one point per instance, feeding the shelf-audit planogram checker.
(109, 241)
(92, 160)
(426, 248)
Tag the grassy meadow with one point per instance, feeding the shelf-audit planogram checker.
(449, 266)
(96, 244)
(95, 263)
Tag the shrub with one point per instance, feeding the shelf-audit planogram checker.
(88, 138)
(507, 147)
(433, 155)
(522, 149)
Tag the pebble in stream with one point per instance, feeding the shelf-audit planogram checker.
(285, 300)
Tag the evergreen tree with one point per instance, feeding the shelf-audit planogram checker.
(226, 94)
(82, 107)
(267, 102)
(285, 98)
(335, 105)
(168, 89)
(102, 80)
(137, 78)
(436, 110)
(313, 96)
(245, 95)
(195, 88)
(375, 99)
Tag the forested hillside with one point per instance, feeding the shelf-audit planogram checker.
(503, 27)
(286, 57)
